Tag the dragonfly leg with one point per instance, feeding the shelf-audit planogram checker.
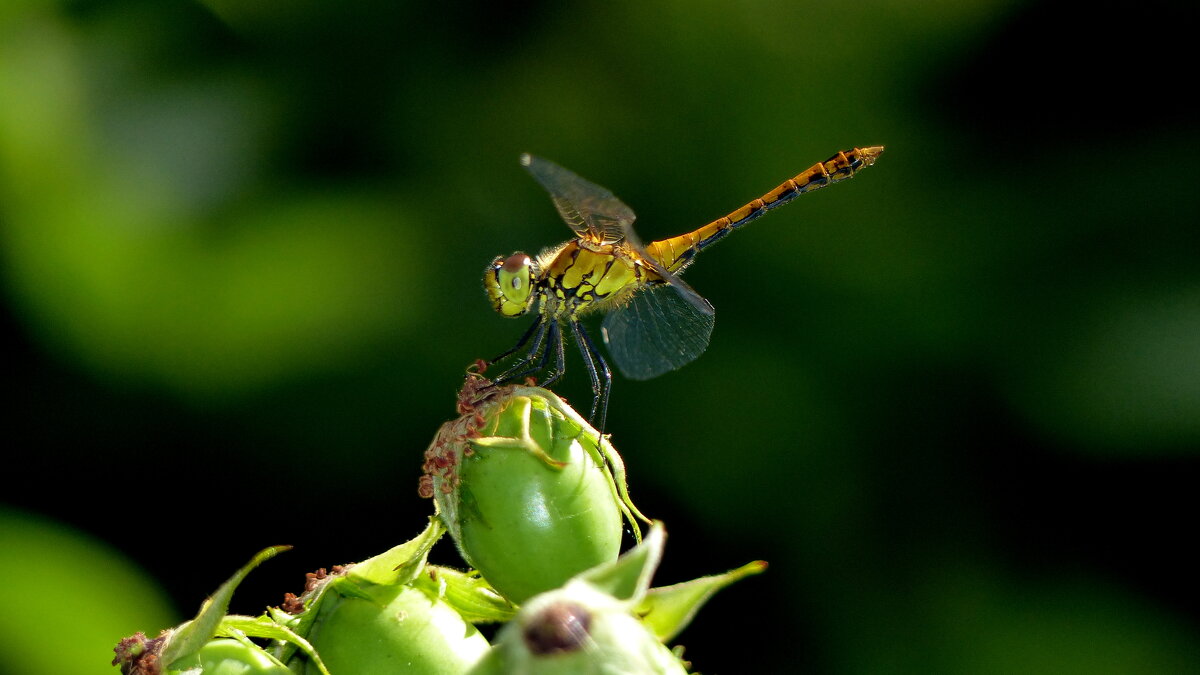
(533, 328)
(601, 376)
(521, 368)
(554, 342)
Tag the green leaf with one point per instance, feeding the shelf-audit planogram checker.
(191, 636)
(669, 609)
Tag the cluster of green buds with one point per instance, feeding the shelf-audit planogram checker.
(536, 501)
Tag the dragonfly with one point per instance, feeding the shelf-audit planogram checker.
(655, 321)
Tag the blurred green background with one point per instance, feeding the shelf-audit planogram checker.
(955, 402)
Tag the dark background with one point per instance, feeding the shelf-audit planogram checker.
(954, 402)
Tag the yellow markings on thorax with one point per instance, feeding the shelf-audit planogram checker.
(582, 279)
(618, 276)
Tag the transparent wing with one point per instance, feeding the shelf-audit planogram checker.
(592, 211)
(639, 252)
(658, 330)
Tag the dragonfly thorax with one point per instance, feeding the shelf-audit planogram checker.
(509, 283)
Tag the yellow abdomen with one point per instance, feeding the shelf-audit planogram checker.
(676, 253)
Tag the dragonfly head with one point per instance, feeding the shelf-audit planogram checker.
(509, 284)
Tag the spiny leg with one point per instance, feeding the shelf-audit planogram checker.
(533, 327)
(555, 342)
(520, 368)
(585, 350)
(601, 377)
(552, 337)
(531, 367)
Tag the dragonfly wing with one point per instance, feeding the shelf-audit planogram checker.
(701, 305)
(590, 210)
(658, 330)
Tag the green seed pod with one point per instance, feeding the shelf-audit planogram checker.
(388, 614)
(413, 632)
(524, 486)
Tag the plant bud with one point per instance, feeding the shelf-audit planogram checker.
(386, 614)
(524, 486)
(578, 630)
(606, 620)
(413, 632)
(588, 626)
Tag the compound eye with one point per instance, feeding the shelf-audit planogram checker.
(514, 275)
(510, 282)
(515, 263)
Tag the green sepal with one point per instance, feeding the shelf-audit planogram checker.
(603, 454)
(221, 656)
(398, 565)
(620, 487)
(264, 626)
(377, 578)
(467, 592)
(191, 636)
(628, 578)
(377, 581)
(520, 412)
(669, 609)
(300, 623)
